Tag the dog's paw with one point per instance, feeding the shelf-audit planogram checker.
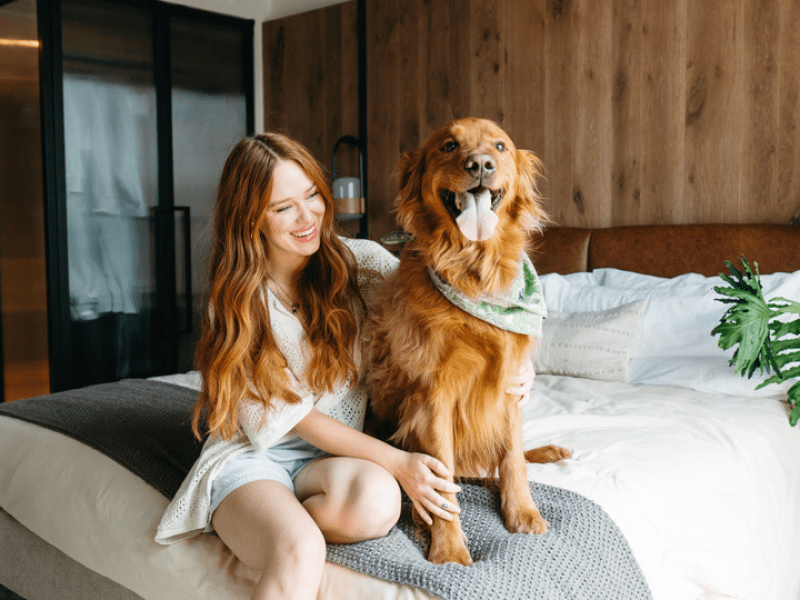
(547, 454)
(449, 548)
(527, 521)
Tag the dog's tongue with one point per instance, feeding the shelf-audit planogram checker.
(477, 219)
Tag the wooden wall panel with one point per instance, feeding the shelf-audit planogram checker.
(593, 134)
(487, 67)
(788, 184)
(411, 96)
(523, 114)
(760, 95)
(626, 99)
(714, 110)
(387, 69)
(311, 80)
(558, 149)
(643, 111)
(458, 93)
(663, 89)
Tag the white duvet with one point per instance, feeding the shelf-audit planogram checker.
(706, 489)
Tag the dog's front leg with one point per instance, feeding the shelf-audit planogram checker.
(448, 542)
(519, 510)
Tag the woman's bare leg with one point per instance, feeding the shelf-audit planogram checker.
(267, 528)
(350, 499)
(344, 500)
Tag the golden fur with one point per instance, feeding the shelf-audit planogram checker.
(437, 375)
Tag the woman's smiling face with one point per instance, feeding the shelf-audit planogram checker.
(294, 215)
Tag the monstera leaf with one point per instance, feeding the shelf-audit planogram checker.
(767, 340)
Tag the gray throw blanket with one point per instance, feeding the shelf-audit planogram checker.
(145, 426)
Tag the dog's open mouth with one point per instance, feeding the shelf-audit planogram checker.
(449, 198)
(474, 211)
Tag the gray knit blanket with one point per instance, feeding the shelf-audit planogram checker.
(145, 426)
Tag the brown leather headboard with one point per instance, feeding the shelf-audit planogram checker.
(668, 250)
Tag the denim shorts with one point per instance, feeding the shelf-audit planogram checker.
(280, 463)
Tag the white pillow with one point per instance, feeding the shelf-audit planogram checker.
(704, 374)
(674, 345)
(593, 345)
(629, 280)
(675, 322)
(681, 311)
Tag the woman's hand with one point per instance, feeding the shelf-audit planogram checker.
(423, 477)
(522, 383)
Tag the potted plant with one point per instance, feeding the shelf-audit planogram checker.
(767, 340)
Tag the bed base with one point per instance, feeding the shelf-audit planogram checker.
(35, 570)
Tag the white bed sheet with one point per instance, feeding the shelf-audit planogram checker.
(705, 488)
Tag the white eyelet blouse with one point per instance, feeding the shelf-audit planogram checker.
(189, 512)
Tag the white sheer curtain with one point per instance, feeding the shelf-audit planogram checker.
(110, 153)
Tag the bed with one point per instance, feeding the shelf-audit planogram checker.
(699, 471)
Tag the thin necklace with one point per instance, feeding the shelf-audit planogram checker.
(293, 306)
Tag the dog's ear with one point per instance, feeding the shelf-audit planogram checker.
(410, 167)
(409, 172)
(530, 170)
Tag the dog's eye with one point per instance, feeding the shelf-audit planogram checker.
(449, 146)
(501, 146)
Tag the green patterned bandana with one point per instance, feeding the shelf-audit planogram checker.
(520, 309)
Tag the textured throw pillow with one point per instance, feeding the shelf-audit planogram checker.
(593, 345)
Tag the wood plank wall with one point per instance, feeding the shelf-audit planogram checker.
(311, 84)
(311, 80)
(643, 111)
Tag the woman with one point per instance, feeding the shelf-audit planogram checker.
(286, 468)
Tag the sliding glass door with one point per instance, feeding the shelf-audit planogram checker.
(209, 115)
(154, 97)
(108, 181)
(111, 160)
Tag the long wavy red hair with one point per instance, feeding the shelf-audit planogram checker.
(237, 355)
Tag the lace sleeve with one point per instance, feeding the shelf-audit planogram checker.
(373, 257)
(265, 432)
(374, 263)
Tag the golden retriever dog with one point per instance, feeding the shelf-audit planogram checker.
(438, 374)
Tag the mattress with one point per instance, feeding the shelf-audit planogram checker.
(705, 488)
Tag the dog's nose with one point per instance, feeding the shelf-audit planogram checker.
(480, 165)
